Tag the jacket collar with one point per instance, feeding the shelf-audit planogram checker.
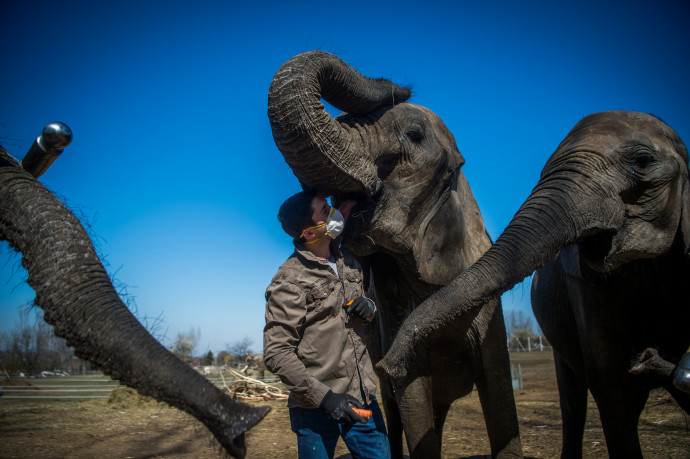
(302, 251)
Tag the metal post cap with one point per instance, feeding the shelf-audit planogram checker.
(56, 136)
(46, 148)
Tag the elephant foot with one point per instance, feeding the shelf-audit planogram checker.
(512, 450)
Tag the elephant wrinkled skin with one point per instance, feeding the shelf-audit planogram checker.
(607, 228)
(74, 291)
(414, 227)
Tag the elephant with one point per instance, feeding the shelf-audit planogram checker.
(77, 297)
(413, 225)
(607, 229)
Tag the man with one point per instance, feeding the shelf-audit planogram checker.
(316, 319)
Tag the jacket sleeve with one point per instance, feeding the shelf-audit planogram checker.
(286, 311)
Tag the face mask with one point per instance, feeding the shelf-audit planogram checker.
(335, 223)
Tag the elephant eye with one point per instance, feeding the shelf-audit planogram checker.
(415, 134)
(643, 160)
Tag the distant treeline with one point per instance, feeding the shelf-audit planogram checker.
(31, 348)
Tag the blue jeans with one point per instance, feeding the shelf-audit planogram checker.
(317, 434)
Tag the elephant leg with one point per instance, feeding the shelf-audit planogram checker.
(417, 414)
(440, 413)
(572, 392)
(620, 404)
(494, 385)
(393, 422)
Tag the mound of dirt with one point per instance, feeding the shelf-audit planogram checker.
(124, 397)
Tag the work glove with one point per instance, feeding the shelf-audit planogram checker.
(338, 408)
(361, 307)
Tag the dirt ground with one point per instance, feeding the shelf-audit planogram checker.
(139, 428)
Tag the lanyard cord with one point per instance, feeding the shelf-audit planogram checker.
(350, 331)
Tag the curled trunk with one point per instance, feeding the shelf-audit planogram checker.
(321, 152)
(546, 222)
(75, 291)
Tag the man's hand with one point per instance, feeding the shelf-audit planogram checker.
(338, 408)
(361, 307)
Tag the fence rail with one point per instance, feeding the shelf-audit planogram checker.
(76, 388)
(84, 388)
(53, 397)
(66, 388)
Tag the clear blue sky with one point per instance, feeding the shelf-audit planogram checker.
(173, 155)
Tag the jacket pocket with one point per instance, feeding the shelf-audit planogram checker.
(319, 300)
(354, 284)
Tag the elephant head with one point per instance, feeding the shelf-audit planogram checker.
(616, 190)
(398, 162)
(76, 294)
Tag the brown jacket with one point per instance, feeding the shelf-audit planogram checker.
(309, 340)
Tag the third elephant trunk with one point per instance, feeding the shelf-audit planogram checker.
(561, 209)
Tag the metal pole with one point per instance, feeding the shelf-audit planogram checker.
(46, 148)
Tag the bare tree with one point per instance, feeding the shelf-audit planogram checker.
(29, 341)
(240, 348)
(521, 335)
(59, 354)
(31, 346)
(517, 320)
(184, 344)
(222, 357)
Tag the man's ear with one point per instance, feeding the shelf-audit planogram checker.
(308, 235)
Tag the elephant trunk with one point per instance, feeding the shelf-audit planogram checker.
(564, 206)
(75, 292)
(322, 152)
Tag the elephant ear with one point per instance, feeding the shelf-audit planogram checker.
(685, 218)
(438, 247)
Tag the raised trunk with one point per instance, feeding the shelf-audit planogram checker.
(75, 291)
(554, 216)
(321, 152)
